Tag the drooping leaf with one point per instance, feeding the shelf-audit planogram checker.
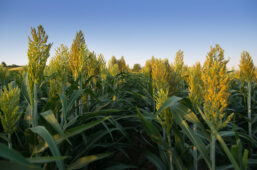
(70, 133)
(84, 161)
(221, 141)
(15, 165)
(41, 131)
(155, 160)
(46, 159)
(50, 118)
(179, 111)
(151, 130)
(12, 155)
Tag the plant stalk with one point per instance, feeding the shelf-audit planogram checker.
(212, 151)
(249, 109)
(195, 149)
(170, 153)
(35, 107)
(80, 101)
(9, 141)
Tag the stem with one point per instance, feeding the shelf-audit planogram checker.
(63, 120)
(212, 151)
(35, 107)
(170, 153)
(163, 133)
(76, 107)
(249, 110)
(9, 141)
(80, 101)
(195, 149)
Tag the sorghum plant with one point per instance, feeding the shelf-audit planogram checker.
(9, 104)
(38, 53)
(247, 72)
(216, 92)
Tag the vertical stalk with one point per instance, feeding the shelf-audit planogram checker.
(35, 107)
(212, 151)
(76, 107)
(76, 101)
(80, 101)
(170, 153)
(249, 109)
(195, 149)
(63, 118)
(163, 133)
(151, 82)
(9, 141)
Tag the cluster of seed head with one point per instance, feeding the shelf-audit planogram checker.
(216, 87)
(196, 85)
(9, 104)
(165, 118)
(179, 63)
(247, 69)
(161, 72)
(38, 53)
(59, 65)
(78, 55)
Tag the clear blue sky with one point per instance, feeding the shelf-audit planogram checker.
(135, 29)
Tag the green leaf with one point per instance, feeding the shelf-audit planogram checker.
(46, 159)
(4, 137)
(12, 155)
(84, 161)
(221, 141)
(155, 160)
(67, 105)
(92, 141)
(179, 111)
(50, 118)
(73, 98)
(245, 158)
(79, 129)
(64, 102)
(168, 103)
(41, 131)
(25, 88)
(14, 166)
(104, 112)
(70, 133)
(151, 130)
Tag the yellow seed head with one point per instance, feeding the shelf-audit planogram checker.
(196, 85)
(247, 69)
(216, 87)
(160, 72)
(78, 55)
(178, 63)
(165, 118)
(9, 104)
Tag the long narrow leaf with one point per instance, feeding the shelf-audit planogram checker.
(70, 133)
(46, 159)
(152, 131)
(221, 141)
(15, 165)
(50, 118)
(84, 161)
(12, 155)
(179, 111)
(41, 131)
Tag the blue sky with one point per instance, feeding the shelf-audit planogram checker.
(135, 29)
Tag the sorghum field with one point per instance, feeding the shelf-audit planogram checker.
(79, 112)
